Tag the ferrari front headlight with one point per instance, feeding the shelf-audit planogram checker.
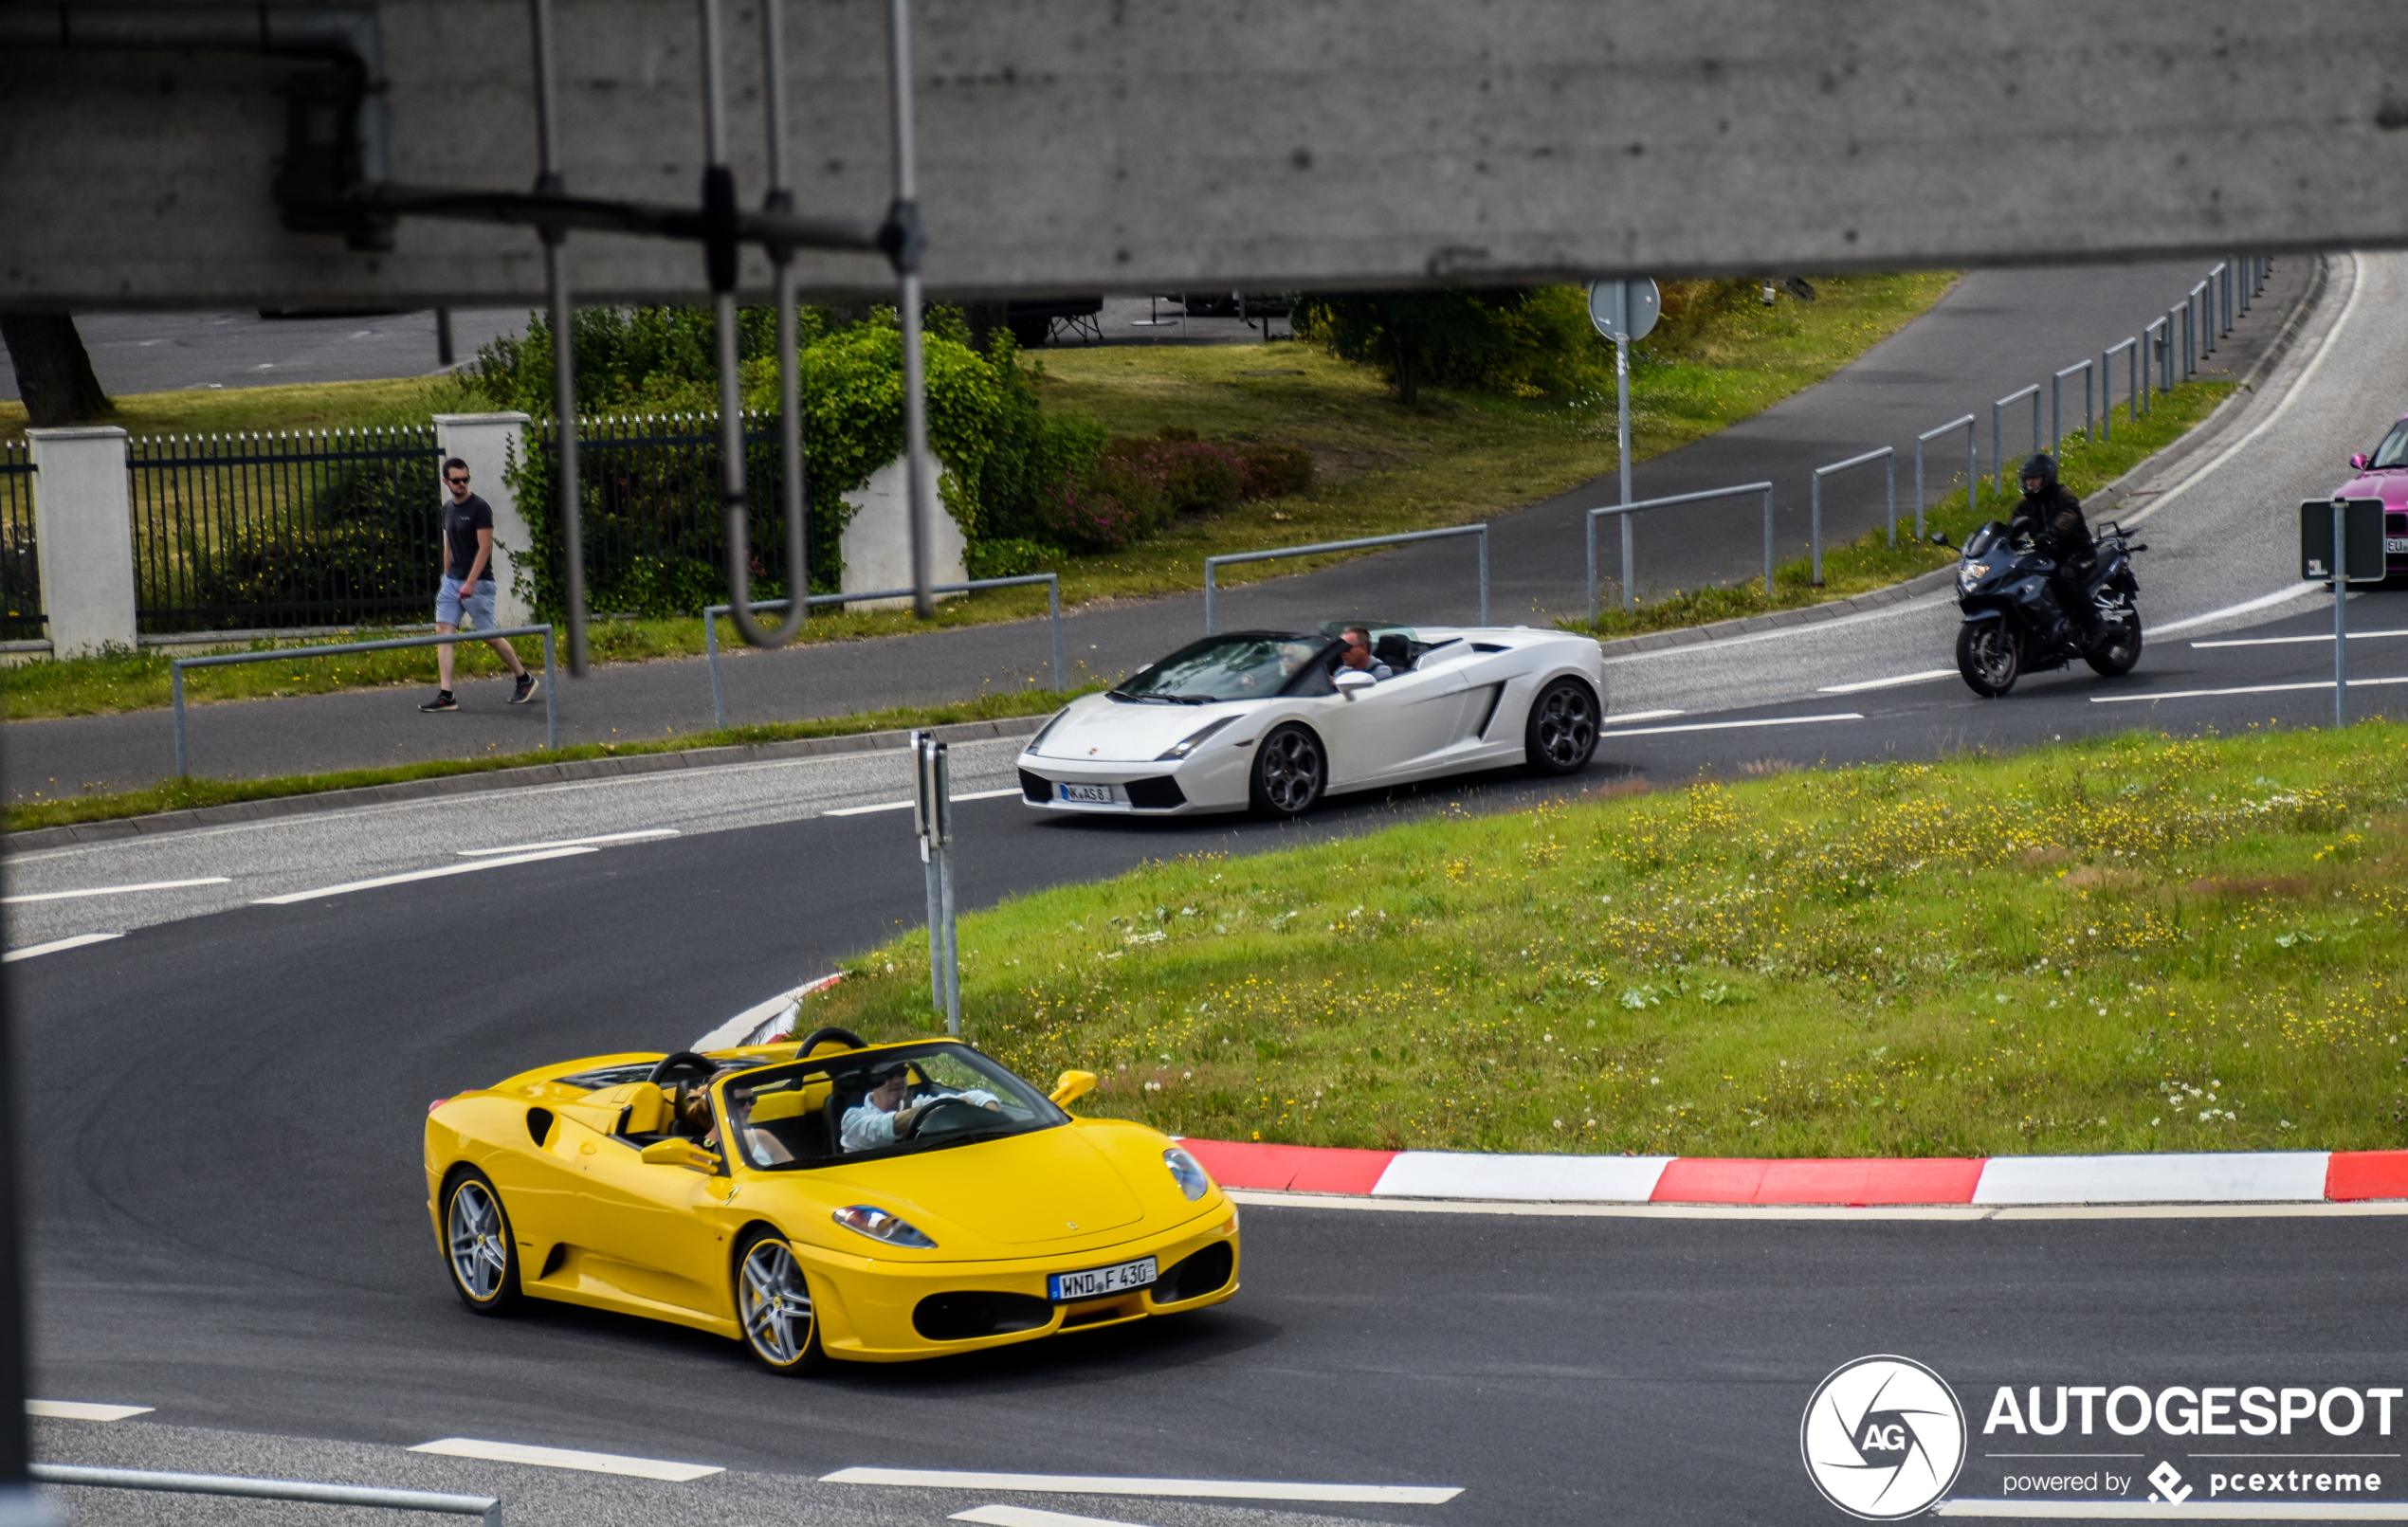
(1187, 1173)
(875, 1223)
(1192, 740)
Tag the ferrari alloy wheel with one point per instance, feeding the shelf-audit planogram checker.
(2124, 647)
(477, 1244)
(1289, 772)
(773, 1302)
(1988, 655)
(1562, 729)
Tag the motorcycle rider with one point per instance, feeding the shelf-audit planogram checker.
(2053, 518)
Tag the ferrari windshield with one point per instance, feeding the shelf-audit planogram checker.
(2393, 450)
(888, 1102)
(1241, 666)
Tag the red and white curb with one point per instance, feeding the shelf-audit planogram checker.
(2204, 1177)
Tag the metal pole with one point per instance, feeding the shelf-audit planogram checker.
(1589, 524)
(1973, 475)
(551, 695)
(1816, 530)
(1889, 495)
(1768, 544)
(1053, 606)
(907, 214)
(2057, 426)
(1918, 489)
(2087, 435)
(942, 770)
(710, 659)
(1998, 448)
(1622, 451)
(923, 785)
(1484, 565)
(2340, 613)
(564, 374)
(2036, 421)
(175, 671)
(1209, 629)
(1630, 574)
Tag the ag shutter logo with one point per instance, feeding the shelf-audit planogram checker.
(1884, 1438)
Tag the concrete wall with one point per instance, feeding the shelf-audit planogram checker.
(489, 442)
(877, 544)
(84, 524)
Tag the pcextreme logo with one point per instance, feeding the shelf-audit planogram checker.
(1884, 1438)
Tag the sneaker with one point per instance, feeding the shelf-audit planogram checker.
(443, 701)
(528, 684)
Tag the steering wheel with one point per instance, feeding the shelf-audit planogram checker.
(851, 1040)
(680, 1066)
(932, 1108)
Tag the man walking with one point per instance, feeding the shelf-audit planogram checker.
(465, 600)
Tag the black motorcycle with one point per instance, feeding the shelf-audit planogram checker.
(2015, 622)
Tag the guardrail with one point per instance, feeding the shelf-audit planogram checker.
(1998, 413)
(2160, 338)
(2106, 384)
(1213, 564)
(711, 613)
(484, 1506)
(224, 660)
(1889, 458)
(1627, 510)
(2056, 386)
(1973, 472)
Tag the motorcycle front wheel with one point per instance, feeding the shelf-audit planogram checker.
(2118, 655)
(1989, 657)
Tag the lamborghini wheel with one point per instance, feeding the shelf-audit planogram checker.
(477, 1244)
(1289, 772)
(1563, 729)
(773, 1303)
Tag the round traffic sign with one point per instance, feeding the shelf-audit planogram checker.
(1623, 310)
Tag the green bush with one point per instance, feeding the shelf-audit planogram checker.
(1519, 341)
(1008, 558)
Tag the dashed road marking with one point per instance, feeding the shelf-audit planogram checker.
(502, 1452)
(905, 806)
(2285, 641)
(1032, 1516)
(55, 945)
(573, 843)
(114, 890)
(1860, 685)
(83, 1410)
(938, 1478)
(436, 873)
(2237, 689)
(1729, 726)
(1639, 715)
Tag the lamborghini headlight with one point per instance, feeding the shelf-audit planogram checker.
(1192, 740)
(875, 1223)
(1187, 1173)
(1038, 740)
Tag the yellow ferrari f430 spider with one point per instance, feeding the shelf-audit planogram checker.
(827, 1199)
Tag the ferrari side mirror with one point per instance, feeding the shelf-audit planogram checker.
(680, 1152)
(1073, 1086)
(1350, 680)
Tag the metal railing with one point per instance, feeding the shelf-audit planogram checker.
(1213, 564)
(224, 660)
(1973, 469)
(283, 528)
(2056, 386)
(2131, 349)
(484, 1506)
(1997, 414)
(711, 613)
(1630, 578)
(20, 558)
(1887, 457)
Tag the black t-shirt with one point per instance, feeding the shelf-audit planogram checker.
(460, 522)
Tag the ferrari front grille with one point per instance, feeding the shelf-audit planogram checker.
(1206, 1272)
(968, 1314)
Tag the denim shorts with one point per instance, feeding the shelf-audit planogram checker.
(480, 606)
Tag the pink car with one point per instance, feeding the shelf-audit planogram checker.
(2384, 476)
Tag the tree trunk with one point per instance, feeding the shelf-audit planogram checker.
(985, 319)
(54, 374)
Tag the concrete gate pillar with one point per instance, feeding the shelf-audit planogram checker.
(489, 442)
(83, 531)
(876, 540)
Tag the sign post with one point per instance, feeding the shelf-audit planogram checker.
(2334, 538)
(1622, 311)
(932, 817)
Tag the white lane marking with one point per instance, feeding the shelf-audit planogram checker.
(2239, 689)
(2247, 607)
(1640, 716)
(83, 1410)
(1862, 684)
(2299, 385)
(437, 873)
(1265, 1198)
(55, 945)
(114, 890)
(2181, 1511)
(2287, 641)
(905, 806)
(939, 1479)
(738, 1029)
(501, 1452)
(1030, 1517)
(1727, 726)
(573, 843)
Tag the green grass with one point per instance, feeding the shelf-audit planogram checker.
(2127, 945)
(1383, 468)
(1870, 561)
(180, 794)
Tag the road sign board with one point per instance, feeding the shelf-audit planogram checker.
(1623, 310)
(2365, 540)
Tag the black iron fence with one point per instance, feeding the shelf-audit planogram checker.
(292, 528)
(20, 567)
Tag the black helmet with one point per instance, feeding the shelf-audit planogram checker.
(2043, 466)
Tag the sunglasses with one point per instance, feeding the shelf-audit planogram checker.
(457, 482)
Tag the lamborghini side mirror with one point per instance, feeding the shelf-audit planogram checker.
(1350, 680)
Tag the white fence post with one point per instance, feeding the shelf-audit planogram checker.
(489, 442)
(83, 527)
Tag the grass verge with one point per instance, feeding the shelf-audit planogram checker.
(180, 794)
(1382, 468)
(2127, 945)
(1869, 562)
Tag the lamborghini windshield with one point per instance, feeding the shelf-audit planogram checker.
(889, 1101)
(1241, 666)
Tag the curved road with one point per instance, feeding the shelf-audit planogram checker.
(224, 1106)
